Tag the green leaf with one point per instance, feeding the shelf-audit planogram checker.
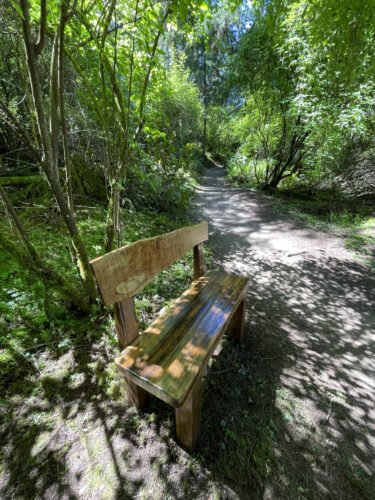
(183, 11)
(17, 8)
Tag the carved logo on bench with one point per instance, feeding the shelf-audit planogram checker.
(130, 286)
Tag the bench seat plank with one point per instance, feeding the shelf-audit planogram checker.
(173, 351)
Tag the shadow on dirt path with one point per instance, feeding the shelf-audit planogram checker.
(311, 318)
(289, 414)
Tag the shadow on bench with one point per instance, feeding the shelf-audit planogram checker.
(169, 358)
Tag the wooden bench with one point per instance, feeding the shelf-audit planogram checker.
(169, 358)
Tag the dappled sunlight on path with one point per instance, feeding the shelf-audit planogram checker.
(288, 414)
(308, 290)
(251, 215)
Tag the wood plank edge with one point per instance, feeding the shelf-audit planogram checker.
(194, 226)
(205, 361)
(148, 386)
(97, 284)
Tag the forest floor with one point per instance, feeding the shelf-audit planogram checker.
(289, 414)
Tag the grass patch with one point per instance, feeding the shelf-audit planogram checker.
(327, 208)
(238, 433)
(360, 481)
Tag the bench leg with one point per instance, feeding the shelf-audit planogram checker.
(127, 331)
(135, 394)
(237, 324)
(188, 418)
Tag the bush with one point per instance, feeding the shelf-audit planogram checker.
(243, 170)
(158, 187)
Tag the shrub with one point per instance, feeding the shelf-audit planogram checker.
(243, 170)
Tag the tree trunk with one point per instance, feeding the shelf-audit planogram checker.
(32, 260)
(204, 146)
(61, 86)
(54, 101)
(48, 163)
(293, 160)
(113, 216)
(44, 272)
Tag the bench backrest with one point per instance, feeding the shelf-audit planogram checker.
(122, 273)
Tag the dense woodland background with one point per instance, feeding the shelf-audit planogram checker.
(111, 109)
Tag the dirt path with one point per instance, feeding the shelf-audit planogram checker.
(311, 316)
(288, 414)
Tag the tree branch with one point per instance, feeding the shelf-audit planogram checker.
(42, 28)
(14, 124)
(147, 76)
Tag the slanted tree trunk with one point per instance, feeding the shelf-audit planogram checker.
(30, 259)
(48, 141)
(204, 102)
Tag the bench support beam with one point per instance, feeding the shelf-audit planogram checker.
(135, 394)
(128, 330)
(199, 265)
(237, 323)
(188, 417)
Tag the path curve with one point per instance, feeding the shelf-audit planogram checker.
(311, 303)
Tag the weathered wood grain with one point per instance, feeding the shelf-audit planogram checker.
(126, 322)
(188, 417)
(124, 272)
(128, 330)
(199, 265)
(135, 394)
(173, 351)
(237, 323)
